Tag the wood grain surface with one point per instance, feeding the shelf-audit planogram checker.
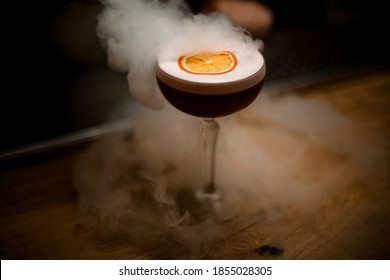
(38, 218)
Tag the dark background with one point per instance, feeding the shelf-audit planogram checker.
(57, 81)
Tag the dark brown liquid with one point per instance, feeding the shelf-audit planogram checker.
(210, 105)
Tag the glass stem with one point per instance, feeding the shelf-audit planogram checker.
(209, 130)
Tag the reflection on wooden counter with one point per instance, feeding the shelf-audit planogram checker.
(308, 179)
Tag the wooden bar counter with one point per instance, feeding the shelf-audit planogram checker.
(38, 218)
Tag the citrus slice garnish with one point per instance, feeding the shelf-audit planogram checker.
(208, 63)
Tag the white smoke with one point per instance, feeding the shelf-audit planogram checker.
(135, 33)
(282, 161)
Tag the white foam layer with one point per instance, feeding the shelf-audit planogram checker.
(250, 70)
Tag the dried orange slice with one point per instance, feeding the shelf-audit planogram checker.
(208, 63)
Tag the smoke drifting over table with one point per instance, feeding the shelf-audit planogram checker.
(284, 162)
(281, 163)
(135, 33)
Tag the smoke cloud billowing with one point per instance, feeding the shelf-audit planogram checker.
(135, 33)
(282, 161)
